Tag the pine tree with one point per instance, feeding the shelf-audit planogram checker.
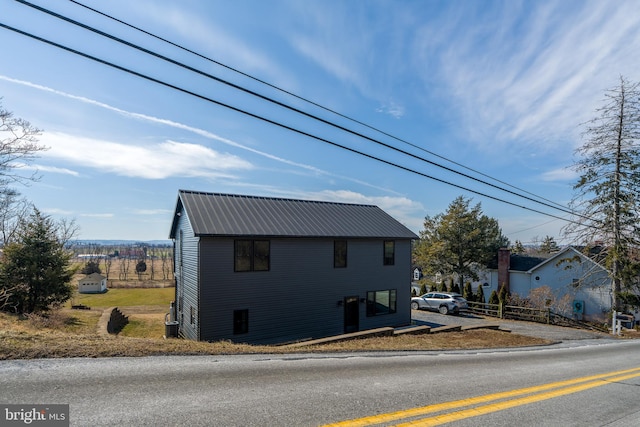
(36, 267)
(459, 240)
(518, 248)
(606, 198)
(493, 298)
(480, 294)
(468, 292)
(549, 245)
(503, 295)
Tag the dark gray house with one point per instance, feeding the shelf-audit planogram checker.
(268, 270)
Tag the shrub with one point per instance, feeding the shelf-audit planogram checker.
(493, 298)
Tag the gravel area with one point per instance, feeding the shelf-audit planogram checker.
(540, 330)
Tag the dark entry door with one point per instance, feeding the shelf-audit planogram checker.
(351, 314)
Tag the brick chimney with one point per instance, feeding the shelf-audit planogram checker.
(504, 258)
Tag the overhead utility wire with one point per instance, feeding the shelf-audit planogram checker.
(283, 105)
(267, 120)
(106, 15)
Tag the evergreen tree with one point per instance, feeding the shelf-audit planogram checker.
(480, 295)
(518, 248)
(459, 241)
(503, 295)
(35, 269)
(91, 267)
(549, 245)
(493, 298)
(468, 292)
(606, 198)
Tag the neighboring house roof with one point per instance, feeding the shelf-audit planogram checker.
(524, 262)
(215, 214)
(567, 252)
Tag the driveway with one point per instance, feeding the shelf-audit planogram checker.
(540, 330)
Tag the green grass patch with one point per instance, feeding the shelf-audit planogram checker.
(82, 321)
(127, 297)
(144, 326)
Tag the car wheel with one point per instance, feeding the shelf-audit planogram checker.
(415, 306)
(444, 309)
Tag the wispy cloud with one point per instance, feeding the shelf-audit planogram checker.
(533, 78)
(206, 35)
(407, 211)
(391, 108)
(561, 174)
(53, 169)
(154, 161)
(98, 215)
(57, 211)
(198, 131)
(150, 212)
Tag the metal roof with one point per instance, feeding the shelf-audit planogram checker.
(215, 214)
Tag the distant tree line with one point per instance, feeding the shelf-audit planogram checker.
(153, 260)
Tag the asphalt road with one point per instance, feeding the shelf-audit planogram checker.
(311, 390)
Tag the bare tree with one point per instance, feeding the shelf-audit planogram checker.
(606, 199)
(152, 255)
(108, 261)
(13, 208)
(125, 265)
(18, 148)
(166, 266)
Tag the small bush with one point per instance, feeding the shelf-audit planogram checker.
(49, 320)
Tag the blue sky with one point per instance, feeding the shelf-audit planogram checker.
(501, 87)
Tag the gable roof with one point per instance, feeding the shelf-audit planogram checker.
(519, 262)
(567, 252)
(216, 214)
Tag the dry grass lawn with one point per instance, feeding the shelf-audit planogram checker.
(72, 333)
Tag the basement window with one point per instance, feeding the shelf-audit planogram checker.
(240, 321)
(381, 302)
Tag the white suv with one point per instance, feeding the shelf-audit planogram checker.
(442, 302)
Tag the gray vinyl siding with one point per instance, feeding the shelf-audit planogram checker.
(187, 278)
(297, 299)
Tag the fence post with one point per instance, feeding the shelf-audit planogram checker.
(500, 311)
(548, 316)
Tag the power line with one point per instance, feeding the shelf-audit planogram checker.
(288, 107)
(307, 100)
(270, 121)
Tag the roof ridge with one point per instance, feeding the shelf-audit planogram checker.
(286, 199)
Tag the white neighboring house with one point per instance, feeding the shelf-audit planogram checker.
(568, 272)
(93, 283)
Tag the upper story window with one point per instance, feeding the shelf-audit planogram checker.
(251, 255)
(340, 254)
(389, 252)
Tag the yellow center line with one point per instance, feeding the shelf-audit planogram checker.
(482, 410)
(447, 406)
